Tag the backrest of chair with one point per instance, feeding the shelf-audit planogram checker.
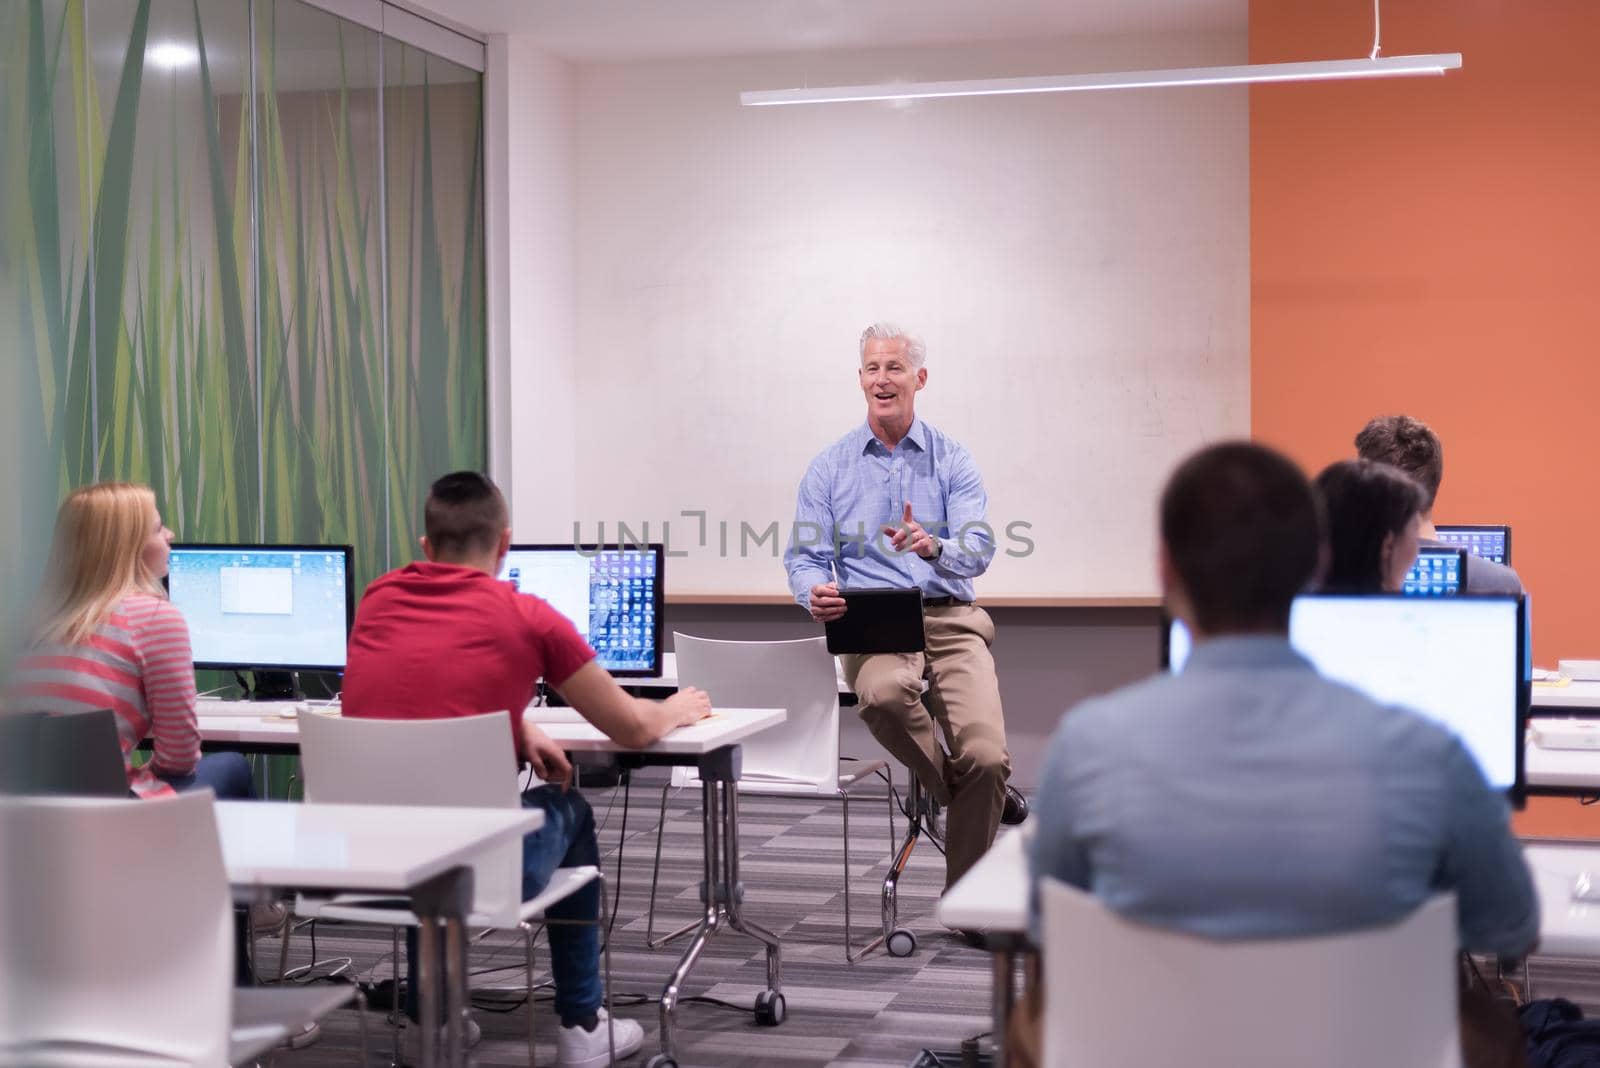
(79, 754)
(466, 762)
(65, 754)
(19, 737)
(797, 676)
(116, 933)
(1119, 993)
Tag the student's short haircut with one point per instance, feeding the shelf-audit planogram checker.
(1366, 502)
(1409, 444)
(1244, 532)
(464, 516)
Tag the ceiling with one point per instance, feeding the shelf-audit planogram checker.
(617, 30)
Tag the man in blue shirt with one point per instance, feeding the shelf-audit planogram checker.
(897, 503)
(1249, 797)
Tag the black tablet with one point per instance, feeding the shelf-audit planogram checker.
(878, 620)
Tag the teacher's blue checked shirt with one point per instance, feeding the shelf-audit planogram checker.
(1251, 798)
(855, 487)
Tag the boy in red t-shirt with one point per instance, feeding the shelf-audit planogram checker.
(443, 638)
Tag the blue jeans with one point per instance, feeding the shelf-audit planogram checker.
(227, 774)
(566, 840)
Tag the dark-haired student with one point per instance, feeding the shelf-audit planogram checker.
(1257, 799)
(1413, 447)
(1374, 526)
(442, 638)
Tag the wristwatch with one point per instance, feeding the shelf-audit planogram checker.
(938, 547)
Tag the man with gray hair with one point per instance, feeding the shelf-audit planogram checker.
(897, 503)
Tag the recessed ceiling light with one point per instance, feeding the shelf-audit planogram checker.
(171, 55)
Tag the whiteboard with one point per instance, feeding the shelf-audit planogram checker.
(1077, 264)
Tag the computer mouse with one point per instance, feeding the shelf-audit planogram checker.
(1585, 887)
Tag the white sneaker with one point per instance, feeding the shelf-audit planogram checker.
(577, 1048)
(411, 1038)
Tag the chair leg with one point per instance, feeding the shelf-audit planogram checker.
(605, 968)
(849, 936)
(398, 1010)
(888, 775)
(361, 1023)
(527, 942)
(283, 945)
(851, 954)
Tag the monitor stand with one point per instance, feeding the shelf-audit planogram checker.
(274, 686)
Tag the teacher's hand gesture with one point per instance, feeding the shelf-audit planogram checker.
(910, 535)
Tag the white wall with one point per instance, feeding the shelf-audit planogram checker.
(1078, 264)
(532, 271)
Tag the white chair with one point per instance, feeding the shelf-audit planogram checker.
(466, 762)
(116, 941)
(797, 758)
(1119, 993)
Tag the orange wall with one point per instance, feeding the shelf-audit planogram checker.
(1432, 246)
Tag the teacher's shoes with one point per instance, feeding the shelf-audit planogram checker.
(580, 1047)
(1015, 809)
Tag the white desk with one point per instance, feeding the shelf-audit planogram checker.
(276, 733)
(993, 898)
(1561, 770)
(993, 895)
(276, 845)
(725, 726)
(420, 852)
(711, 746)
(1574, 696)
(1567, 928)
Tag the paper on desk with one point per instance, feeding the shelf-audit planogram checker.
(1553, 684)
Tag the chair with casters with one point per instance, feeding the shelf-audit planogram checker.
(798, 758)
(469, 764)
(79, 987)
(1119, 993)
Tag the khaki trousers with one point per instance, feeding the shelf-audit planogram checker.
(964, 700)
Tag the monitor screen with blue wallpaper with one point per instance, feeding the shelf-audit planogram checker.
(1491, 542)
(611, 594)
(277, 607)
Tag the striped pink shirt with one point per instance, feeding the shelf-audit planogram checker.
(138, 664)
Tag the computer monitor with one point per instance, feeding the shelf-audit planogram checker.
(1436, 573)
(1490, 542)
(1460, 661)
(266, 607)
(611, 594)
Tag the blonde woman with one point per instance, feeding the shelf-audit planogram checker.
(107, 637)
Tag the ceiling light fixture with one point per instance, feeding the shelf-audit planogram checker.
(1252, 73)
(172, 55)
